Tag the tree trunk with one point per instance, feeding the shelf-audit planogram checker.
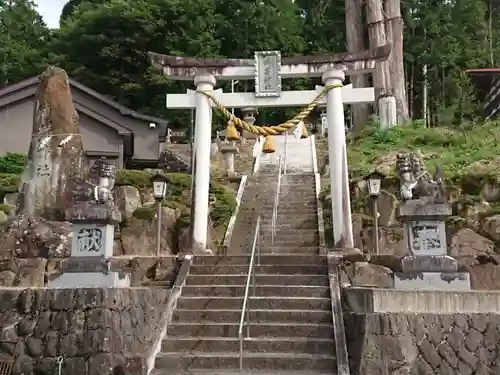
(377, 38)
(356, 43)
(394, 34)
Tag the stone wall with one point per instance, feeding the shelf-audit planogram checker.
(35, 272)
(423, 344)
(95, 331)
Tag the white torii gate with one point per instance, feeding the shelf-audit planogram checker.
(332, 69)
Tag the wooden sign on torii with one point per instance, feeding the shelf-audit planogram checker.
(332, 68)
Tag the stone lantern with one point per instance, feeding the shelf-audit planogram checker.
(249, 117)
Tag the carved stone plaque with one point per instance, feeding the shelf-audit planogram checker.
(92, 240)
(427, 238)
(267, 74)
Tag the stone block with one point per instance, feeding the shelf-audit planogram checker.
(93, 240)
(415, 208)
(432, 281)
(430, 263)
(90, 280)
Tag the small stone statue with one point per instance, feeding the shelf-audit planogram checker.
(416, 182)
(99, 185)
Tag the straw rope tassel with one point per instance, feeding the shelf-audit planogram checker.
(304, 133)
(268, 147)
(231, 132)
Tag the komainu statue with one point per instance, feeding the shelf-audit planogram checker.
(99, 185)
(416, 182)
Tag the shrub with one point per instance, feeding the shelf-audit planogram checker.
(12, 163)
(145, 213)
(9, 183)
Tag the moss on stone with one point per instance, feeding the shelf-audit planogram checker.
(6, 208)
(145, 213)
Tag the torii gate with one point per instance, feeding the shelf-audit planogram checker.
(267, 69)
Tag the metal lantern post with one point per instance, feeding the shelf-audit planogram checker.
(374, 182)
(159, 194)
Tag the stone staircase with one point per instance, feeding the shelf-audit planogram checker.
(289, 311)
(290, 329)
(298, 156)
(297, 221)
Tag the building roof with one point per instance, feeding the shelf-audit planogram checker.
(28, 87)
(483, 78)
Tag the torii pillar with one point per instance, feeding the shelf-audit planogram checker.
(332, 68)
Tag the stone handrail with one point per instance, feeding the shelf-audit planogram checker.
(317, 183)
(334, 261)
(159, 333)
(257, 150)
(232, 220)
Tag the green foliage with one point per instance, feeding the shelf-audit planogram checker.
(12, 163)
(23, 43)
(178, 193)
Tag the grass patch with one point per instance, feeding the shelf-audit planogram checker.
(468, 156)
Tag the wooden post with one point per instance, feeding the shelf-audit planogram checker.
(355, 43)
(394, 34)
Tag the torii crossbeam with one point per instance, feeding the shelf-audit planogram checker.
(332, 68)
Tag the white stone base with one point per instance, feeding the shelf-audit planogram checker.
(90, 280)
(432, 281)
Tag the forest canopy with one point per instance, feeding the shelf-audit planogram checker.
(104, 43)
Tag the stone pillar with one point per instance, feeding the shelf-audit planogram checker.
(249, 117)
(429, 267)
(94, 217)
(229, 151)
(337, 151)
(202, 142)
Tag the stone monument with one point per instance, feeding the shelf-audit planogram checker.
(94, 216)
(56, 159)
(423, 212)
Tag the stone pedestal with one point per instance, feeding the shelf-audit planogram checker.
(429, 267)
(229, 151)
(94, 217)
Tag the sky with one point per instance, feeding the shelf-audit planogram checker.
(50, 11)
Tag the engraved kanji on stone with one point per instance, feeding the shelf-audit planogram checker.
(90, 240)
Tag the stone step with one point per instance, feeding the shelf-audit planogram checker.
(290, 240)
(285, 211)
(251, 344)
(285, 205)
(263, 303)
(287, 230)
(279, 250)
(273, 260)
(259, 290)
(304, 316)
(238, 372)
(228, 329)
(290, 227)
(295, 234)
(221, 279)
(254, 361)
(227, 269)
